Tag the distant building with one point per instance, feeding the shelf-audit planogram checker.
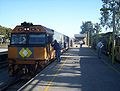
(79, 37)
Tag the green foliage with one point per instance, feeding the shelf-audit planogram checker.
(97, 27)
(5, 31)
(87, 26)
(107, 12)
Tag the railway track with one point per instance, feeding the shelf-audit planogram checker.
(8, 84)
(15, 83)
(3, 64)
(3, 60)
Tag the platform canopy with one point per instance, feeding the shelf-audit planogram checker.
(79, 36)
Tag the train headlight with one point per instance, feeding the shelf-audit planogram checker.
(26, 29)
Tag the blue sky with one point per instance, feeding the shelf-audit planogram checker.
(64, 16)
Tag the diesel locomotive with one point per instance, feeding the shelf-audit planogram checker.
(31, 48)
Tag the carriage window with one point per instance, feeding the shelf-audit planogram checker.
(37, 39)
(18, 39)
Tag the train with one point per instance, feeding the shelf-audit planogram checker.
(107, 41)
(31, 48)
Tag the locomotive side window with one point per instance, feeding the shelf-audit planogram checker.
(18, 39)
(37, 39)
(50, 39)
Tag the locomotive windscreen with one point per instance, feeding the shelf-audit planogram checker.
(37, 39)
(18, 39)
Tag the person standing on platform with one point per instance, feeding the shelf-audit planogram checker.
(81, 43)
(99, 47)
(57, 49)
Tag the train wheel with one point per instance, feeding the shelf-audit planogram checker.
(11, 70)
(37, 68)
(25, 69)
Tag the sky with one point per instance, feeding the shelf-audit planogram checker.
(64, 16)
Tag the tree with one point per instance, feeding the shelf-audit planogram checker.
(5, 31)
(87, 27)
(97, 28)
(113, 7)
(107, 13)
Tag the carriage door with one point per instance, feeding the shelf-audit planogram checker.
(49, 45)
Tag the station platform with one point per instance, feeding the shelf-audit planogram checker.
(3, 50)
(79, 70)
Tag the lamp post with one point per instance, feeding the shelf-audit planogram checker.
(113, 35)
(114, 28)
(88, 38)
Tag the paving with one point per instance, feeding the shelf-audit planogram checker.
(3, 50)
(79, 70)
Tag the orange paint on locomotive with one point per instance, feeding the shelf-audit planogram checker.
(40, 53)
(12, 52)
(29, 54)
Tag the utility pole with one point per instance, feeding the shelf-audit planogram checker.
(88, 35)
(113, 35)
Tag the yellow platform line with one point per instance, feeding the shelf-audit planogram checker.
(55, 75)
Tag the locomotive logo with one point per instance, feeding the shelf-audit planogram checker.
(25, 52)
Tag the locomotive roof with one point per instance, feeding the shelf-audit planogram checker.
(32, 28)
